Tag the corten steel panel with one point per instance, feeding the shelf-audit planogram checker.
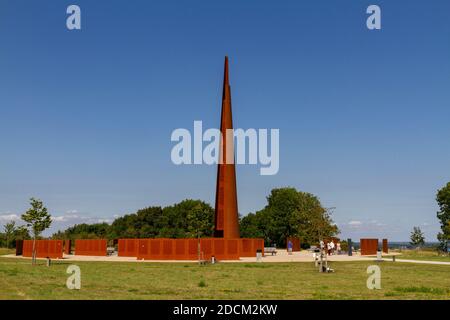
(206, 248)
(385, 246)
(295, 243)
(44, 249)
(155, 249)
(246, 248)
(226, 224)
(19, 247)
(192, 249)
(259, 245)
(167, 246)
(231, 250)
(187, 249)
(233, 247)
(368, 246)
(180, 249)
(249, 246)
(67, 246)
(127, 248)
(143, 248)
(94, 247)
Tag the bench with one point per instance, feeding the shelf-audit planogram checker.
(271, 250)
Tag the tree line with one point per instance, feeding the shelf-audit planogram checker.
(288, 213)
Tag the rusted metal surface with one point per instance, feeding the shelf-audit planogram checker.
(19, 247)
(249, 246)
(193, 249)
(368, 246)
(226, 209)
(67, 246)
(385, 246)
(166, 249)
(95, 247)
(295, 243)
(127, 248)
(44, 249)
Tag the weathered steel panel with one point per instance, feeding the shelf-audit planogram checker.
(295, 243)
(44, 249)
(94, 247)
(385, 246)
(368, 246)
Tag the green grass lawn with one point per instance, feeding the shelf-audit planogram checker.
(107, 280)
(4, 251)
(430, 255)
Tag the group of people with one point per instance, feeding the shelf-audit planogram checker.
(331, 248)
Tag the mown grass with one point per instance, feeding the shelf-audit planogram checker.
(4, 251)
(430, 255)
(115, 280)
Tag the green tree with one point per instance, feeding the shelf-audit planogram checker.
(250, 226)
(22, 233)
(199, 223)
(9, 229)
(38, 219)
(177, 223)
(290, 213)
(417, 237)
(84, 231)
(145, 223)
(443, 200)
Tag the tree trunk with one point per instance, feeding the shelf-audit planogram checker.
(198, 248)
(33, 255)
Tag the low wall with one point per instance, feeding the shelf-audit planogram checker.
(188, 249)
(368, 246)
(95, 247)
(44, 249)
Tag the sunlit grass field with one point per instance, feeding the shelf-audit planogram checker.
(430, 255)
(4, 251)
(117, 280)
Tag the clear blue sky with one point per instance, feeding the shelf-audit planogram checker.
(86, 116)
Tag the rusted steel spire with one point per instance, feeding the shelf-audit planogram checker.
(226, 213)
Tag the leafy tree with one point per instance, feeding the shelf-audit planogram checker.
(443, 200)
(290, 213)
(145, 223)
(22, 233)
(251, 226)
(417, 237)
(199, 223)
(9, 229)
(184, 217)
(189, 218)
(84, 231)
(38, 219)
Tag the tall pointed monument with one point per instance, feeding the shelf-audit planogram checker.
(226, 213)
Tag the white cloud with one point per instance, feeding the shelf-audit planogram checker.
(65, 217)
(355, 223)
(9, 217)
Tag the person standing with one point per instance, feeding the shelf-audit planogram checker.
(289, 247)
